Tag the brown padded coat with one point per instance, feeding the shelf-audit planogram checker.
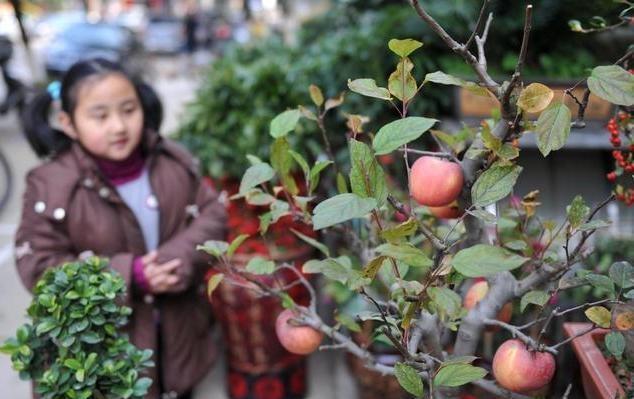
(70, 210)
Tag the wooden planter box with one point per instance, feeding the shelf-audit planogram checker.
(597, 377)
(470, 105)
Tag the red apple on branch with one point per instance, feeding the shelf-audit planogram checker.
(297, 339)
(477, 291)
(521, 370)
(434, 181)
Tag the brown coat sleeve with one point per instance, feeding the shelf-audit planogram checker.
(209, 224)
(43, 242)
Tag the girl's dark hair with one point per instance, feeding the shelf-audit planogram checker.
(46, 140)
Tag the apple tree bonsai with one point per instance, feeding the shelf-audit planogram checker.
(504, 251)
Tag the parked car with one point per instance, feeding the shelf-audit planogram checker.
(51, 25)
(86, 40)
(164, 34)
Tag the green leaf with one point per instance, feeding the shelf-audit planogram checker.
(255, 196)
(213, 283)
(599, 316)
(321, 247)
(213, 247)
(400, 132)
(141, 386)
(494, 184)
(536, 297)
(406, 253)
(577, 212)
(316, 95)
(397, 233)
(409, 379)
(256, 175)
(314, 173)
(282, 161)
(80, 374)
(615, 342)
(73, 364)
(535, 97)
(368, 87)
(484, 260)
(235, 244)
(342, 186)
(284, 123)
(330, 268)
(300, 161)
(457, 374)
(45, 326)
(91, 337)
(629, 294)
(341, 208)
(401, 82)
(553, 128)
(347, 322)
(594, 225)
(601, 282)
(446, 300)
(443, 78)
(404, 47)
(259, 265)
(490, 141)
(507, 152)
(484, 215)
(367, 179)
(622, 273)
(613, 84)
(517, 245)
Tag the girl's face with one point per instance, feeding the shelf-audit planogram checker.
(108, 117)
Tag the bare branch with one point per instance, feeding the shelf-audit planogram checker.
(485, 78)
(478, 23)
(305, 283)
(428, 153)
(436, 241)
(521, 59)
(519, 335)
(481, 41)
(564, 342)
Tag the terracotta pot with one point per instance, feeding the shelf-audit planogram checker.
(599, 382)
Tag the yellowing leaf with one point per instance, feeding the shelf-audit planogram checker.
(316, 95)
(599, 316)
(535, 97)
(624, 321)
(213, 282)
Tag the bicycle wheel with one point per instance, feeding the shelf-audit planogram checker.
(5, 181)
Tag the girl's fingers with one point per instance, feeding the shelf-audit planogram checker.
(163, 282)
(169, 266)
(150, 257)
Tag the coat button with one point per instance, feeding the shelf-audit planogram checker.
(173, 395)
(104, 192)
(151, 201)
(148, 298)
(88, 183)
(59, 214)
(39, 207)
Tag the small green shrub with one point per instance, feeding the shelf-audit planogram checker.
(73, 348)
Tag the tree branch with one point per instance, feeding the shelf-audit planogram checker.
(481, 41)
(478, 25)
(484, 76)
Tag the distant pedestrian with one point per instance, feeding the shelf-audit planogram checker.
(191, 26)
(115, 188)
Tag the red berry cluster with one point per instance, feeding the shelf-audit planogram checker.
(622, 124)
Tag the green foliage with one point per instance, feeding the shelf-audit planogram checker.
(72, 348)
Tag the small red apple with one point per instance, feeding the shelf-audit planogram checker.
(477, 291)
(300, 340)
(434, 181)
(451, 211)
(521, 370)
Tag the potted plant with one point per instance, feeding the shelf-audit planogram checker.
(72, 348)
(425, 316)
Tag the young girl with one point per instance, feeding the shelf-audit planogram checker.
(113, 187)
